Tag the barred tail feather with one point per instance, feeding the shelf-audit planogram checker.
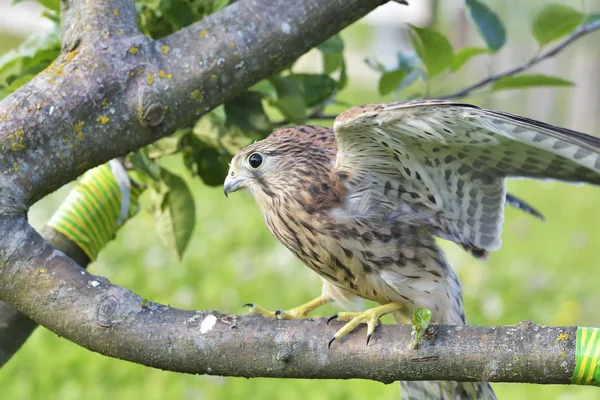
(446, 390)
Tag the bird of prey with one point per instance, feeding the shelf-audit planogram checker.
(362, 203)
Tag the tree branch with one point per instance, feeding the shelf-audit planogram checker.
(579, 33)
(16, 327)
(115, 92)
(83, 19)
(115, 322)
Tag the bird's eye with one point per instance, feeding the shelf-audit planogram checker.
(255, 160)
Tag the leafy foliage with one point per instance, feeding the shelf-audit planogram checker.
(19, 66)
(434, 57)
(206, 148)
(158, 18)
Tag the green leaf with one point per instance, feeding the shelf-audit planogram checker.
(290, 100)
(334, 44)
(178, 210)
(332, 62)
(390, 80)
(433, 49)
(219, 4)
(32, 56)
(333, 57)
(462, 56)
(553, 22)
(218, 114)
(177, 12)
(159, 18)
(489, 25)
(164, 147)
(420, 323)
(53, 5)
(212, 166)
(265, 88)
(204, 160)
(247, 113)
(143, 164)
(316, 88)
(529, 80)
(10, 66)
(15, 84)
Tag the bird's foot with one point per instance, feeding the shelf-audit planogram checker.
(370, 317)
(299, 312)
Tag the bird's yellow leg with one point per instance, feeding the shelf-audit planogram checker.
(369, 317)
(299, 312)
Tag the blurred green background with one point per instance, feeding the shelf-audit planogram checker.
(546, 271)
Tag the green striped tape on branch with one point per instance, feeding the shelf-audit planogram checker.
(95, 209)
(587, 357)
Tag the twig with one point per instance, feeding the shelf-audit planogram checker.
(584, 29)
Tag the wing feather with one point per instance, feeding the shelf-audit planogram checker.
(447, 162)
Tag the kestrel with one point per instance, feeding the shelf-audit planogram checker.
(362, 203)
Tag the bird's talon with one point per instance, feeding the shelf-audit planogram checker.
(299, 312)
(330, 341)
(334, 316)
(369, 317)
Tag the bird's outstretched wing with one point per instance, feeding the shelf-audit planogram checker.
(444, 163)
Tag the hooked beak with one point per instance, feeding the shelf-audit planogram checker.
(232, 184)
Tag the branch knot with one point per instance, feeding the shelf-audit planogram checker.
(151, 110)
(107, 309)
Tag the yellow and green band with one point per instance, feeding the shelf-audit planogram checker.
(102, 201)
(587, 357)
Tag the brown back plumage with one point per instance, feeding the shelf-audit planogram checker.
(317, 135)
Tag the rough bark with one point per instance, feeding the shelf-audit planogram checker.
(16, 327)
(113, 90)
(116, 322)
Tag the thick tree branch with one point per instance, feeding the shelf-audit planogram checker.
(115, 322)
(114, 92)
(83, 19)
(579, 33)
(16, 327)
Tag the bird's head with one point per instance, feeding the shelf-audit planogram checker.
(252, 167)
(281, 166)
